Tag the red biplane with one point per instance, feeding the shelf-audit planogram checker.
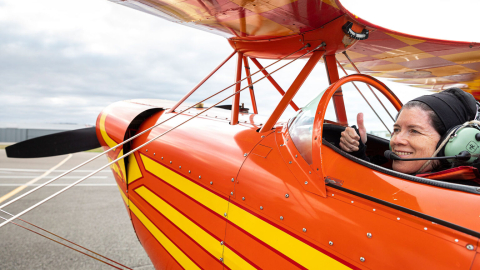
(220, 187)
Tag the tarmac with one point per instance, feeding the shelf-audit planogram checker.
(91, 214)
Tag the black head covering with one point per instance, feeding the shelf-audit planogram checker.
(453, 106)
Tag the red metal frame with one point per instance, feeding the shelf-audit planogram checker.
(322, 108)
(302, 76)
(200, 84)
(338, 103)
(249, 80)
(273, 82)
(238, 86)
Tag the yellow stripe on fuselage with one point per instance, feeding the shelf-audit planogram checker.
(204, 239)
(169, 246)
(111, 143)
(203, 196)
(290, 246)
(134, 171)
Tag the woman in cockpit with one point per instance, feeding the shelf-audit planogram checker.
(418, 129)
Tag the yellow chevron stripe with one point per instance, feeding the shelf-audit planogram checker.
(200, 236)
(133, 169)
(290, 246)
(171, 248)
(111, 143)
(203, 196)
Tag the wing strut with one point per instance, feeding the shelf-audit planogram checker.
(358, 71)
(143, 145)
(273, 82)
(238, 85)
(249, 80)
(297, 83)
(332, 74)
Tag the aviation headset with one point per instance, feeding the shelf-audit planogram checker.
(464, 137)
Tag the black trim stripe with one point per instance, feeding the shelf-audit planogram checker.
(409, 211)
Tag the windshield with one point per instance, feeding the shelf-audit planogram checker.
(300, 128)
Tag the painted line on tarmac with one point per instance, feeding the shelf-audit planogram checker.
(35, 170)
(22, 187)
(59, 185)
(53, 176)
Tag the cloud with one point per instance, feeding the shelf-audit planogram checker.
(64, 61)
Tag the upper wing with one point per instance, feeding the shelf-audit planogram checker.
(422, 62)
(258, 19)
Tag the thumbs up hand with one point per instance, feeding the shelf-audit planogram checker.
(361, 128)
(349, 141)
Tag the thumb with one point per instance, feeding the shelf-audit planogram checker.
(361, 128)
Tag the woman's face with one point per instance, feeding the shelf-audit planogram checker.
(413, 137)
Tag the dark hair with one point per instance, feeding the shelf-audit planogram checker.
(435, 121)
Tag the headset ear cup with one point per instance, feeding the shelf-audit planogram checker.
(441, 153)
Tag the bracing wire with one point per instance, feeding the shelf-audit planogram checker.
(70, 247)
(158, 136)
(150, 128)
(358, 71)
(378, 116)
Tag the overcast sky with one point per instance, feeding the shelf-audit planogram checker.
(64, 61)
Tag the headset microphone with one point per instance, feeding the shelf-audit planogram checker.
(464, 155)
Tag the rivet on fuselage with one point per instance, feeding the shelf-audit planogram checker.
(296, 156)
(290, 162)
(170, 162)
(352, 202)
(304, 230)
(261, 207)
(233, 180)
(362, 259)
(425, 228)
(225, 214)
(309, 172)
(211, 182)
(154, 154)
(330, 243)
(221, 259)
(333, 194)
(146, 150)
(281, 145)
(179, 167)
(456, 240)
(231, 193)
(221, 243)
(306, 182)
(470, 247)
(281, 217)
(374, 209)
(189, 171)
(162, 157)
(199, 177)
(398, 218)
(245, 154)
(263, 136)
(286, 195)
(243, 198)
(369, 235)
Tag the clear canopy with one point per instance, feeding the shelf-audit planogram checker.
(300, 128)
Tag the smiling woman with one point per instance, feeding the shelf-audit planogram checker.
(421, 127)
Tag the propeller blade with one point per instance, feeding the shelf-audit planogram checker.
(61, 143)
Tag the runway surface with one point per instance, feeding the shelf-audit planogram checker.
(91, 214)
